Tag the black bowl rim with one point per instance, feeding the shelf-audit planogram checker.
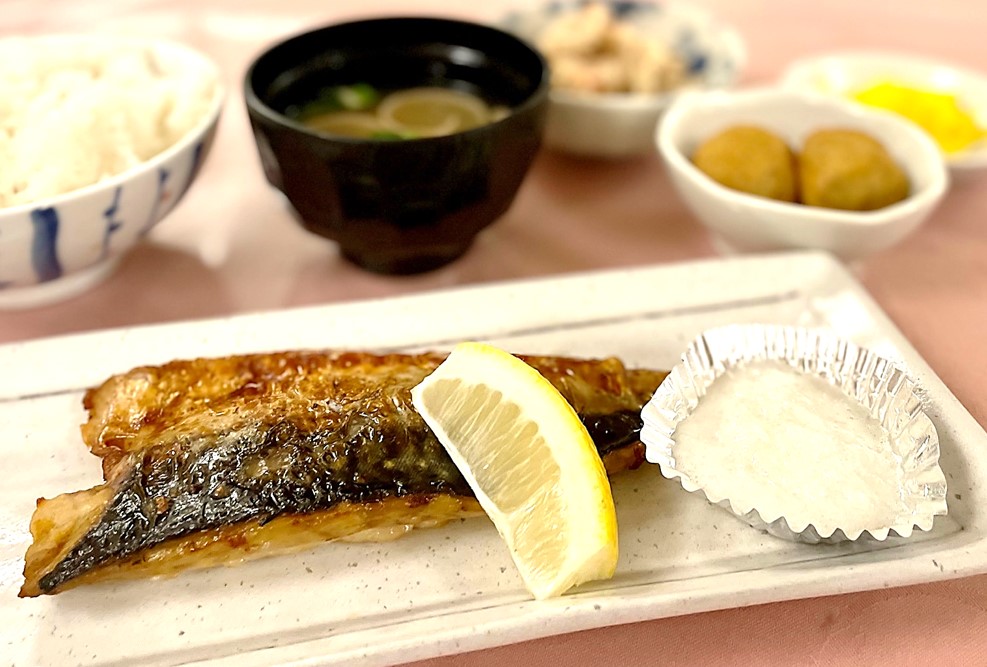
(254, 102)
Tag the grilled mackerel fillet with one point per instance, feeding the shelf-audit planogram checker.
(213, 461)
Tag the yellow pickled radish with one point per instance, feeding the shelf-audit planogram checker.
(938, 113)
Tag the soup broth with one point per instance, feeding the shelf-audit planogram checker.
(362, 112)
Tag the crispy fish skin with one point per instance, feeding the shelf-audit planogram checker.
(212, 461)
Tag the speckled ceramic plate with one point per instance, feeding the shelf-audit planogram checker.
(455, 589)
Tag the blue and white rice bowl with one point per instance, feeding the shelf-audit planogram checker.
(58, 246)
(619, 125)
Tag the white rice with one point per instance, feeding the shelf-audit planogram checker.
(76, 110)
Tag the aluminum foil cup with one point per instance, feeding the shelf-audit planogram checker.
(878, 384)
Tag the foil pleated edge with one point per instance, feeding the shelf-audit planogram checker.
(877, 383)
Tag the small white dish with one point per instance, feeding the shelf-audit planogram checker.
(58, 246)
(842, 74)
(621, 125)
(747, 223)
(778, 505)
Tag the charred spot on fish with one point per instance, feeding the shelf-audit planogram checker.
(614, 430)
(235, 540)
(248, 389)
(220, 491)
(419, 500)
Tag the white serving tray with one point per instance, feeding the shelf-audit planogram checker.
(455, 589)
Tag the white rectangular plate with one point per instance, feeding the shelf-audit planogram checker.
(455, 589)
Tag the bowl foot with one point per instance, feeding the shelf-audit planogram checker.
(61, 289)
(404, 264)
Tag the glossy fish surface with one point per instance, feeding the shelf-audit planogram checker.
(214, 461)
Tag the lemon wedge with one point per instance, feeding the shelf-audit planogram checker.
(530, 461)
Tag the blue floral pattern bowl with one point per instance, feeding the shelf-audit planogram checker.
(618, 125)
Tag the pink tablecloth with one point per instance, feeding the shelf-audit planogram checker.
(231, 247)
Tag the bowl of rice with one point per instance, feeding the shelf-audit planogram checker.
(100, 137)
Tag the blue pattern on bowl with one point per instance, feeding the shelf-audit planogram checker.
(112, 224)
(693, 40)
(36, 236)
(623, 9)
(153, 216)
(44, 255)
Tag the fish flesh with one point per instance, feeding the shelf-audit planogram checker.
(215, 461)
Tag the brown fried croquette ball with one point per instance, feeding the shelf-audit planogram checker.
(750, 159)
(849, 170)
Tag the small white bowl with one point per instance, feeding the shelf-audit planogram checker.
(620, 125)
(842, 74)
(748, 223)
(59, 246)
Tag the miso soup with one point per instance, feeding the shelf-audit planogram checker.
(362, 112)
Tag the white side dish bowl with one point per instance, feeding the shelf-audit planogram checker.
(137, 162)
(843, 74)
(742, 222)
(621, 125)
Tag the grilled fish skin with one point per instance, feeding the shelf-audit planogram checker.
(213, 461)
